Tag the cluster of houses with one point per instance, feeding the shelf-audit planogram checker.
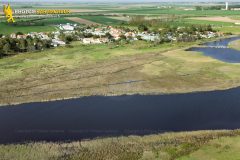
(116, 34)
(104, 34)
(55, 40)
(101, 35)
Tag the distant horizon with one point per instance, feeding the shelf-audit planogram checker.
(120, 1)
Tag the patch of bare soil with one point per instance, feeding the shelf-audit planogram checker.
(82, 21)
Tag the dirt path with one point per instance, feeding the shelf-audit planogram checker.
(82, 21)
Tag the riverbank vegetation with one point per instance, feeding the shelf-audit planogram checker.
(197, 145)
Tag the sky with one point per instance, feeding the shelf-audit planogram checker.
(121, 0)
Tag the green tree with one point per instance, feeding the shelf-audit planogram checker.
(19, 33)
(142, 27)
(39, 45)
(199, 8)
(22, 45)
(109, 36)
(68, 39)
(30, 45)
(6, 48)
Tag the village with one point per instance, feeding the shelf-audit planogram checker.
(107, 34)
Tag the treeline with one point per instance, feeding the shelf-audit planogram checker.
(28, 23)
(167, 25)
(151, 23)
(10, 46)
(200, 8)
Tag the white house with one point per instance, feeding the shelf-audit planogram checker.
(56, 43)
(66, 27)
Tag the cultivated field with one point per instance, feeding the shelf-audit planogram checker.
(8, 28)
(217, 19)
(173, 11)
(82, 21)
(85, 10)
(120, 18)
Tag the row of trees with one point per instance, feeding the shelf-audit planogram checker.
(169, 24)
(200, 8)
(9, 46)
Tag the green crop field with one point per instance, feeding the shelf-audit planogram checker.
(8, 28)
(56, 21)
(48, 26)
(102, 20)
(229, 29)
(157, 11)
(213, 23)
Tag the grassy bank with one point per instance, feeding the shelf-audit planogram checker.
(235, 44)
(85, 70)
(219, 149)
(205, 145)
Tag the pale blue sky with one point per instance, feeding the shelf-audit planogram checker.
(122, 0)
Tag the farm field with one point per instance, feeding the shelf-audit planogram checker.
(217, 19)
(49, 25)
(157, 11)
(8, 29)
(55, 21)
(105, 20)
(203, 22)
(81, 21)
(120, 18)
(229, 29)
(102, 20)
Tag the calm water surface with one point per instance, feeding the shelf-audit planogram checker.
(223, 54)
(92, 117)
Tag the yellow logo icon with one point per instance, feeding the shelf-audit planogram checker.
(9, 13)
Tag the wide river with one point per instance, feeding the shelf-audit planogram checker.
(92, 117)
